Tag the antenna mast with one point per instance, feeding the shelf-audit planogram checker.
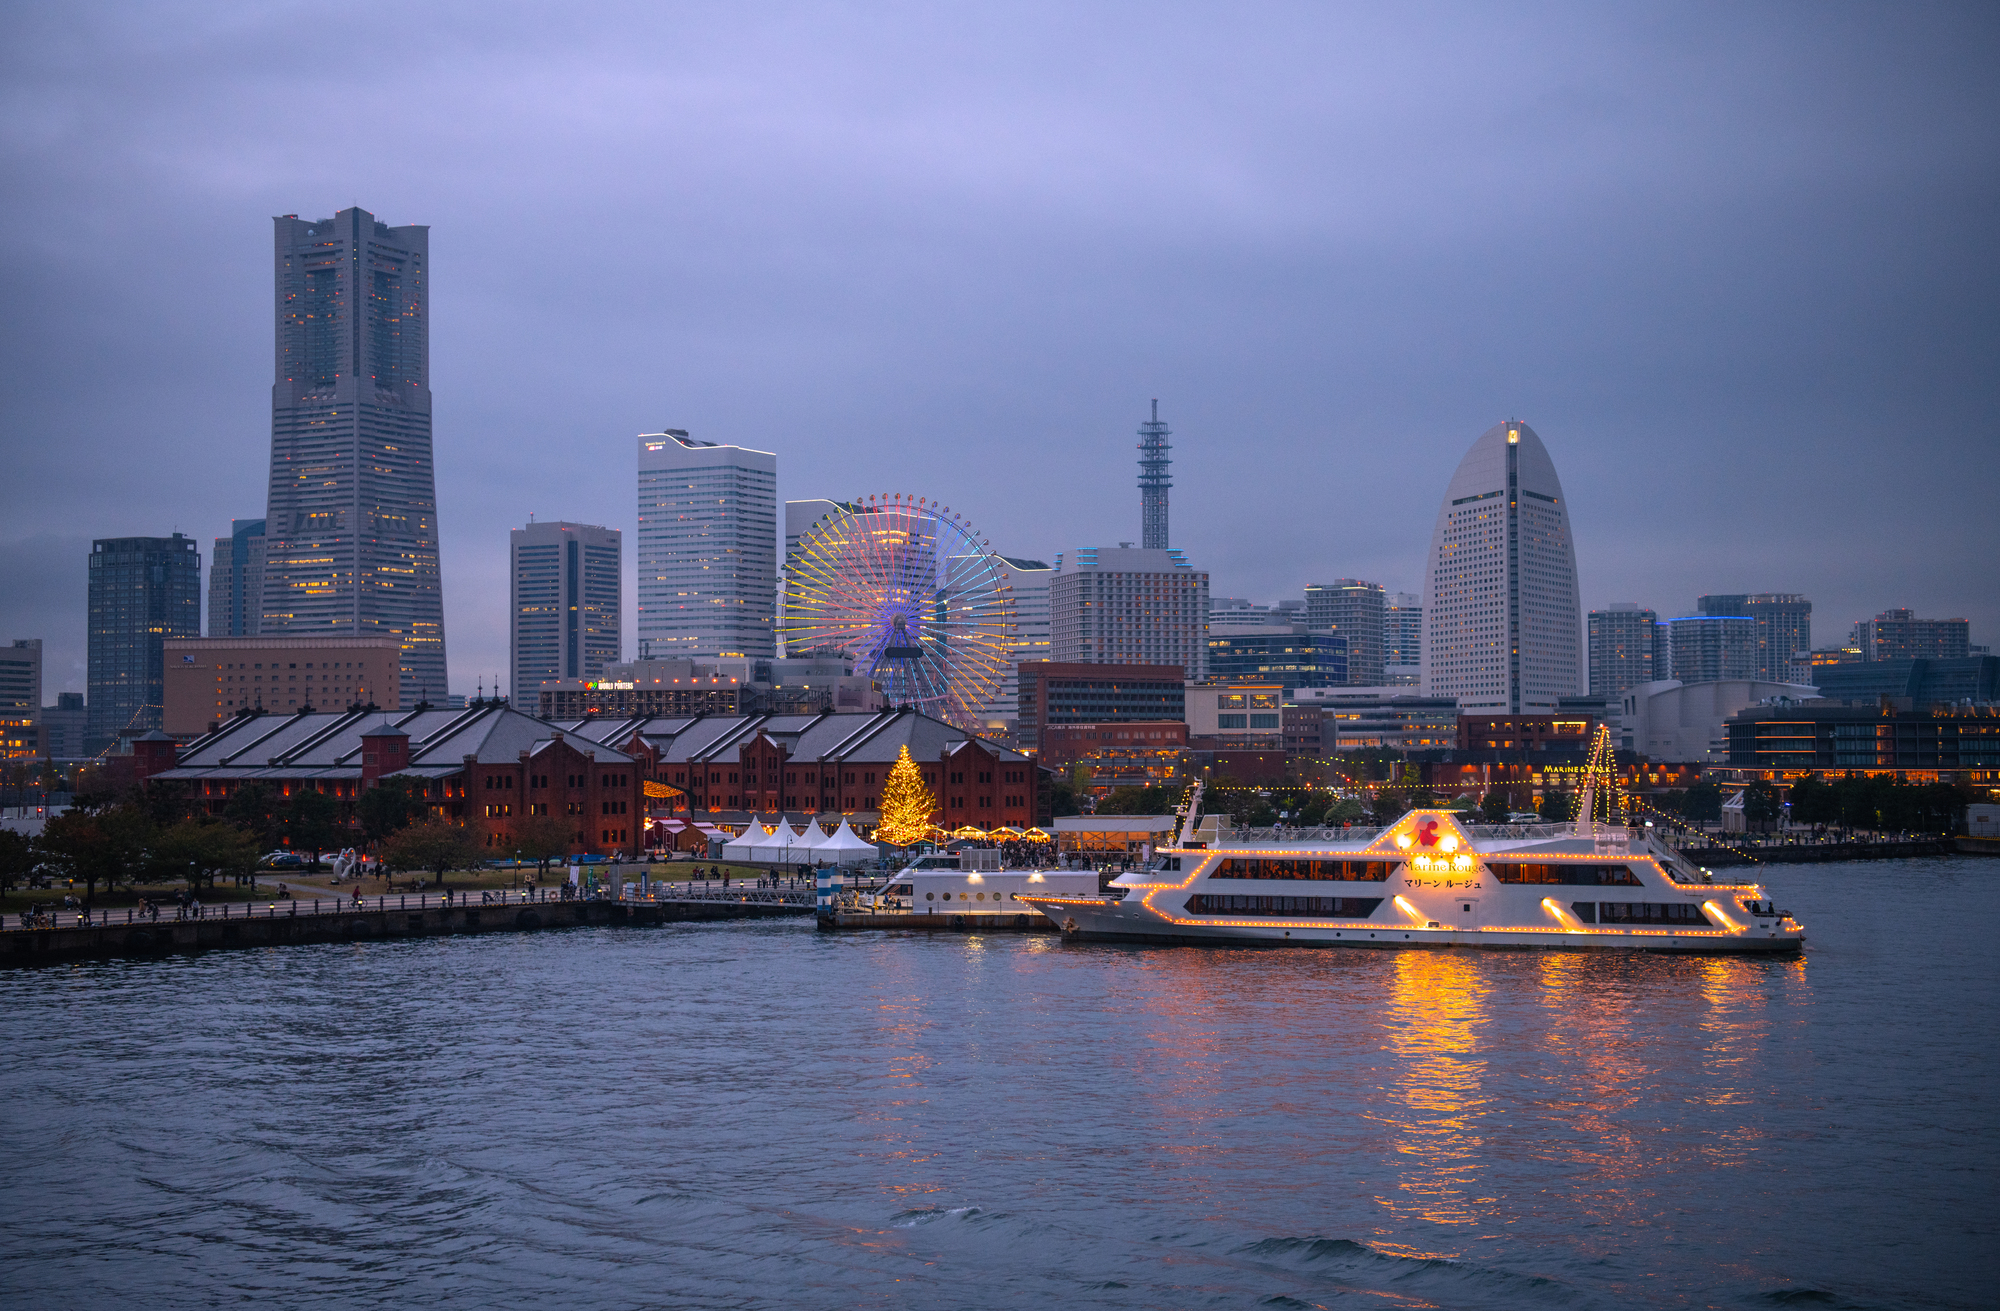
(1154, 480)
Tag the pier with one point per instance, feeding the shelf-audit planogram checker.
(84, 935)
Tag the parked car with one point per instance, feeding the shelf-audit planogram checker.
(284, 860)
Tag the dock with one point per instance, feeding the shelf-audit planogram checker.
(117, 934)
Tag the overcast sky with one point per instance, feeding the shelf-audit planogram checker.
(1735, 264)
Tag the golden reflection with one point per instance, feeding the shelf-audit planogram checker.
(1436, 1009)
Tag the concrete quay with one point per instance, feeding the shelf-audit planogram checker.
(375, 919)
(1815, 853)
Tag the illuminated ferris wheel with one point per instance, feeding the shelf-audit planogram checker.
(910, 593)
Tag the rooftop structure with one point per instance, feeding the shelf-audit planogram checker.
(1154, 480)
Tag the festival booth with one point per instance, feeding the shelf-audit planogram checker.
(678, 834)
(743, 847)
(846, 847)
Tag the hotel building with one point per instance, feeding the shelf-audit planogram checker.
(1502, 619)
(707, 551)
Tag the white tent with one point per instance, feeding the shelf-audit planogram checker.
(781, 846)
(744, 846)
(809, 845)
(845, 848)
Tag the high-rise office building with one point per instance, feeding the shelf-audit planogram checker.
(236, 580)
(708, 542)
(1357, 611)
(1292, 656)
(1900, 635)
(352, 528)
(1783, 626)
(1027, 583)
(143, 590)
(20, 698)
(1708, 648)
(1503, 625)
(1622, 638)
(65, 728)
(1155, 478)
(564, 617)
(1128, 605)
(1403, 640)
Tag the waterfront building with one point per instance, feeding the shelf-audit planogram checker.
(565, 615)
(1503, 629)
(1973, 679)
(825, 765)
(1392, 718)
(1622, 642)
(1558, 739)
(1358, 612)
(236, 580)
(707, 553)
(209, 679)
(1292, 655)
(1235, 715)
(1403, 640)
(1056, 693)
(1783, 626)
(351, 526)
(1890, 734)
(1709, 648)
(1124, 605)
(577, 698)
(143, 590)
(21, 699)
(1900, 635)
(1668, 720)
(485, 766)
(1147, 748)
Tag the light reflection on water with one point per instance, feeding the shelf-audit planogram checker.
(756, 1114)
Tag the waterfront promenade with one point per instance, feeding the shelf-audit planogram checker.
(71, 935)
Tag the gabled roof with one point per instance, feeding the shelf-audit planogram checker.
(329, 743)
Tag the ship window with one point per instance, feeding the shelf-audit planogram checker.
(1211, 903)
(1676, 914)
(1345, 871)
(1570, 875)
(930, 896)
(1584, 910)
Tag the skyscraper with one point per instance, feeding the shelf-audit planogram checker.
(1900, 635)
(1357, 611)
(1403, 640)
(143, 590)
(20, 698)
(564, 617)
(236, 580)
(352, 529)
(1622, 637)
(708, 543)
(1503, 625)
(1154, 480)
(1709, 648)
(1783, 626)
(1126, 605)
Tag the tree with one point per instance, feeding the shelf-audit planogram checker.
(384, 808)
(312, 822)
(1760, 803)
(1702, 803)
(94, 846)
(1138, 801)
(541, 838)
(198, 849)
(17, 858)
(437, 845)
(1557, 807)
(1814, 803)
(1495, 808)
(1345, 811)
(906, 804)
(255, 807)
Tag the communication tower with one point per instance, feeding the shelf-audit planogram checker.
(1154, 480)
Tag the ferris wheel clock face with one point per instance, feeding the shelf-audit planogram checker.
(910, 593)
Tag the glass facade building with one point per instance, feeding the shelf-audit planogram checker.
(564, 619)
(1357, 611)
(143, 590)
(236, 580)
(351, 525)
(1290, 657)
(1622, 642)
(708, 549)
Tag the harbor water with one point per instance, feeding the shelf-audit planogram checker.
(761, 1115)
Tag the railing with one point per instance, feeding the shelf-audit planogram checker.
(736, 892)
(1295, 833)
(281, 908)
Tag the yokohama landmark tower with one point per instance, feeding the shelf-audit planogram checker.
(352, 527)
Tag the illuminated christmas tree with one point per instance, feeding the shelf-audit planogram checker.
(906, 804)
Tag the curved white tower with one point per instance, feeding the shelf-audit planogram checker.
(1503, 627)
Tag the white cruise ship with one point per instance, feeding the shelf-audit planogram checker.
(1427, 881)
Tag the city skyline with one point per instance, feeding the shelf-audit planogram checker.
(1756, 395)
